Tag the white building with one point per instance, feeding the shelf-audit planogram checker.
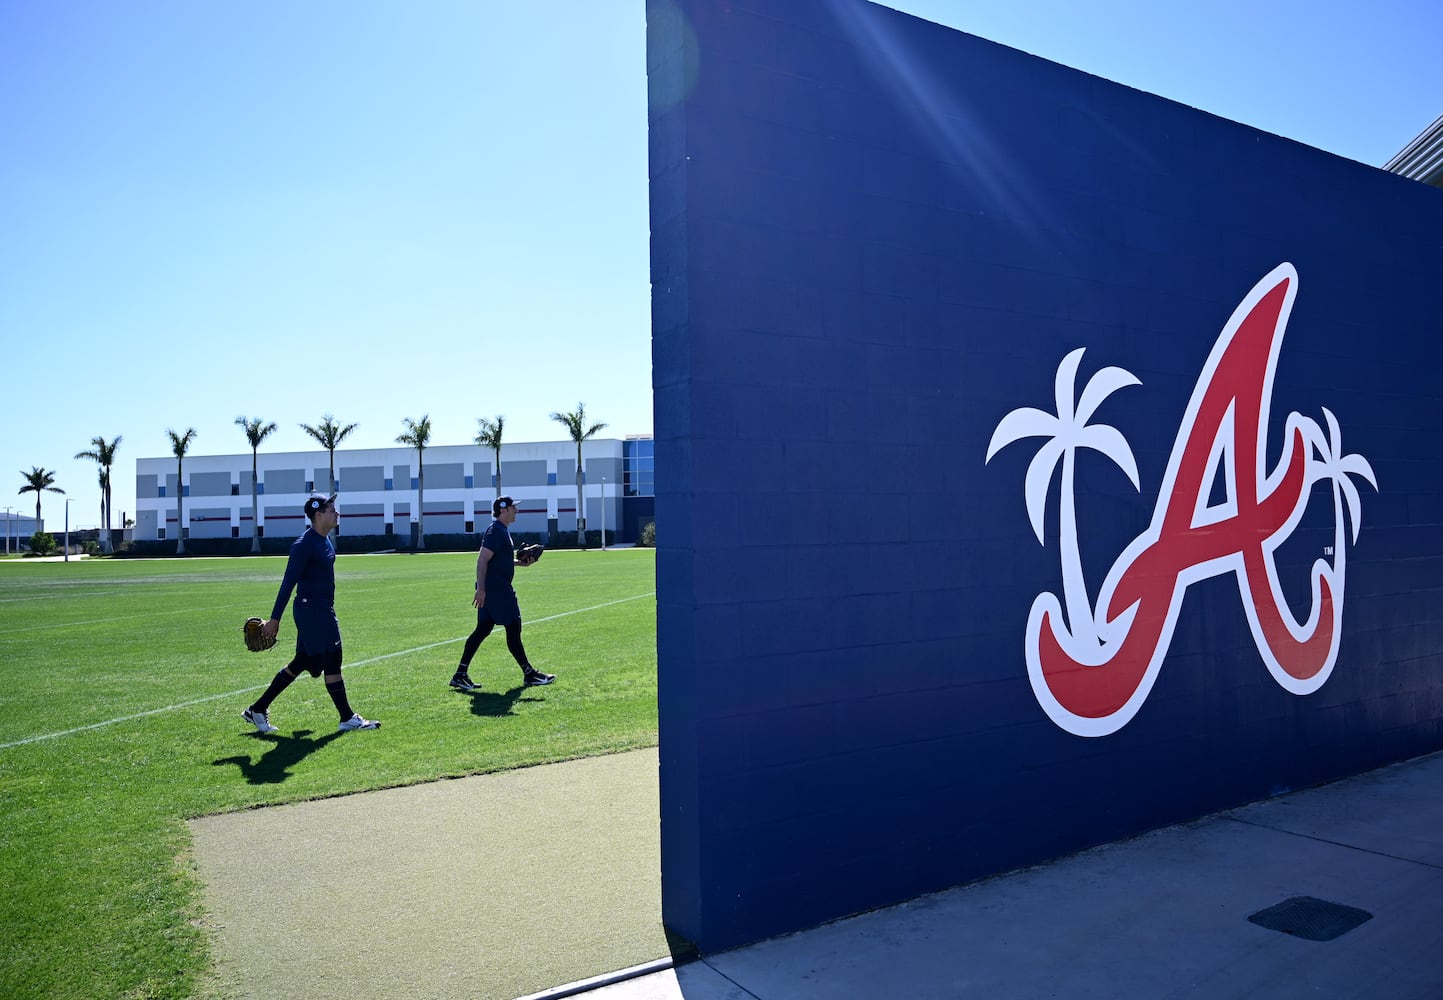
(378, 490)
(18, 529)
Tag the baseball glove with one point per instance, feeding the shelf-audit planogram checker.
(256, 639)
(528, 553)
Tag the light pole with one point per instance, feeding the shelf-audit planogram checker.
(68, 502)
(603, 513)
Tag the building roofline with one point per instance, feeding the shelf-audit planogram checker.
(1422, 159)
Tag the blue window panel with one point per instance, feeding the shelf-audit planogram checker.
(470, 482)
(185, 491)
(260, 488)
(550, 480)
(388, 484)
(162, 492)
(414, 482)
(494, 477)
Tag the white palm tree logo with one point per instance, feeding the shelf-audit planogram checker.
(1067, 431)
(1334, 465)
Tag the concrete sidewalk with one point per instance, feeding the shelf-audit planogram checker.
(478, 888)
(1164, 915)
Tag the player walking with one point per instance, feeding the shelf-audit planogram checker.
(311, 572)
(495, 600)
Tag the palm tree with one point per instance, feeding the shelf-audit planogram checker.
(256, 432)
(418, 434)
(37, 479)
(179, 445)
(103, 480)
(1067, 431)
(105, 455)
(490, 437)
(330, 434)
(1338, 467)
(576, 427)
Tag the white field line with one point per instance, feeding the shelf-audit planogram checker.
(262, 687)
(120, 618)
(60, 596)
(155, 614)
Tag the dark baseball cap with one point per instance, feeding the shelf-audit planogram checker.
(315, 505)
(500, 504)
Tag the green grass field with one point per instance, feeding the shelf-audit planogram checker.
(121, 686)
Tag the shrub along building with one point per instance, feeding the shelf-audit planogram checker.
(379, 491)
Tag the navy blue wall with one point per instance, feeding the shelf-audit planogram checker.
(873, 238)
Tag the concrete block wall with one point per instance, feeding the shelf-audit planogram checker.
(873, 238)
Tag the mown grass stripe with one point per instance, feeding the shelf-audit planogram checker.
(261, 687)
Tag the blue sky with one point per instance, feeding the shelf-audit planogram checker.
(380, 209)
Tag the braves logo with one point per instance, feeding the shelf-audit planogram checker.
(1092, 667)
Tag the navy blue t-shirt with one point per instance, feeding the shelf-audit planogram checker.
(311, 572)
(501, 604)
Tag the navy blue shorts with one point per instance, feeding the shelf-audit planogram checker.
(318, 635)
(501, 609)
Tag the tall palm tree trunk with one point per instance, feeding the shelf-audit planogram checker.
(580, 504)
(255, 508)
(420, 501)
(179, 513)
(334, 490)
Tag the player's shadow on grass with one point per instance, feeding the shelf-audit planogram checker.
(493, 703)
(274, 766)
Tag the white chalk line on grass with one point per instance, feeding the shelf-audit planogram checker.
(119, 618)
(148, 614)
(262, 687)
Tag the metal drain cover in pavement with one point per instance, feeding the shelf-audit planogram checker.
(1311, 919)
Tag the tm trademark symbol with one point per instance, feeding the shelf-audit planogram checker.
(1327, 550)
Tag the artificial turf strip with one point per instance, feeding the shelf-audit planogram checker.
(121, 686)
(493, 886)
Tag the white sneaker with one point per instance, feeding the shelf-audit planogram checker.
(261, 720)
(356, 722)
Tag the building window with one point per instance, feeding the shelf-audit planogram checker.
(162, 492)
(388, 528)
(551, 479)
(638, 467)
(470, 484)
(160, 534)
(390, 484)
(415, 483)
(234, 532)
(310, 486)
(470, 527)
(235, 489)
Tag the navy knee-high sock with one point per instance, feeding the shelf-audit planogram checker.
(279, 683)
(336, 688)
